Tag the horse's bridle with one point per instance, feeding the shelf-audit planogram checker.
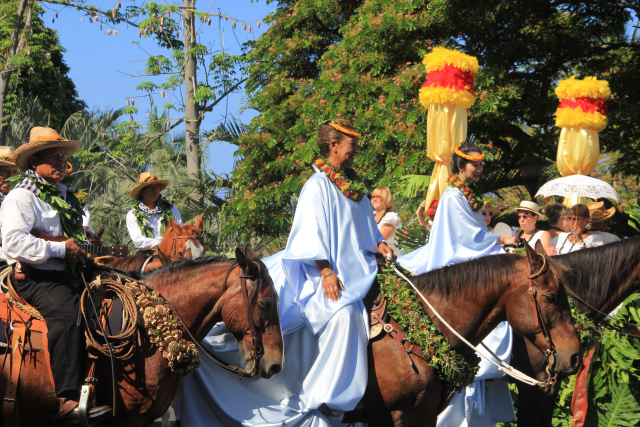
(173, 256)
(550, 353)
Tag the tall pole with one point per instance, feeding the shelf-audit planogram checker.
(192, 118)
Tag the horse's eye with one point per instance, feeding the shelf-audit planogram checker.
(265, 305)
(551, 298)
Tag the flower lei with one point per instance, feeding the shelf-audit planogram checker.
(474, 201)
(349, 186)
(82, 196)
(451, 367)
(142, 217)
(8, 159)
(69, 211)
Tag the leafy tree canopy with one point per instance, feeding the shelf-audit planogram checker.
(41, 71)
(325, 59)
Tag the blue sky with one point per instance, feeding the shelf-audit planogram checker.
(101, 64)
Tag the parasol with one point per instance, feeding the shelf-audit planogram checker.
(578, 186)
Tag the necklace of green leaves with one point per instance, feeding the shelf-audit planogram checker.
(142, 213)
(69, 210)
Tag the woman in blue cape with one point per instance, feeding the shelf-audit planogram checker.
(321, 278)
(458, 234)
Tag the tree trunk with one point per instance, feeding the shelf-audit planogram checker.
(8, 69)
(192, 118)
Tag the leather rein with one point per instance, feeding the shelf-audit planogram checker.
(550, 353)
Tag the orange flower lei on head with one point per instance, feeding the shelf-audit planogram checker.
(349, 187)
(475, 202)
(466, 156)
(342, 129)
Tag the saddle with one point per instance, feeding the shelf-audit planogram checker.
(23, 338)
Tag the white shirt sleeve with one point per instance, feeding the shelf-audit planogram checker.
(18, 218)
(391, 218)
(139, 240)
(86, 219)
(176, 215)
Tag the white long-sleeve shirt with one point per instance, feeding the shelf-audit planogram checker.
(21, 212)
(86, 219)
(154, 221)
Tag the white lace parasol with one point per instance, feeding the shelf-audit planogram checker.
(578, 186)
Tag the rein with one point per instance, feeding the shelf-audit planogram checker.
(503, 366)
(606, 315)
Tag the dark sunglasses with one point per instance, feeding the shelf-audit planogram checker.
(487, 213)
(573, 218)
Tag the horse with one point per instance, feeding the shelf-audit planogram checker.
(473, 297)
(603, 277)
(203, 291)
(177, 242)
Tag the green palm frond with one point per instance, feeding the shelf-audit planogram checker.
(230, 132)
(410, 185)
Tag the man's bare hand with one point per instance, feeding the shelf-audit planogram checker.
(386, 252)
(74, 252)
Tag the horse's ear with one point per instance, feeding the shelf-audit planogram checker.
(174, 224)
(198, 224)
(242, 259)
(163, 258)
(536, 261)
(100, 230)
(250, 253)
(540, 249)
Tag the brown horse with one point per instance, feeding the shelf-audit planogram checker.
(204, 291)
(603, 277)
(177, 242)
(473, 297)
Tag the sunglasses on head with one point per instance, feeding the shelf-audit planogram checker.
(487, 213)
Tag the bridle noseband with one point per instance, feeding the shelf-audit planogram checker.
(550, 353)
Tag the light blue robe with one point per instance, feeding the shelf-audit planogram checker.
(458, 234)
(325, 342)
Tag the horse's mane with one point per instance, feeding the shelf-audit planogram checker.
(186, 264)
(596, 273)
(485, 275)
(130, 263)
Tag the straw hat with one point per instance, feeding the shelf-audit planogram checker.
(486, 207)
(147, 179)
(532, 207)
(6, 156)
(598, 213)
(41, 139)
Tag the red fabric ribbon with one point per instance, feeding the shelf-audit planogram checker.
(587, 105)
(580, 402)
(452, 77)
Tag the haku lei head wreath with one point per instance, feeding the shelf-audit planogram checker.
(466, 156)
(342, 129)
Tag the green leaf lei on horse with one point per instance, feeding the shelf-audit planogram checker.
(165, 216)
(402, 304)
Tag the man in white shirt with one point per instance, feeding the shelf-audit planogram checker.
(39, 264)
(598, 221)
(151, 212)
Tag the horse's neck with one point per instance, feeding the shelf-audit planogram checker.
(618, 292)
(472, 317)
(194, 294)
(166, 243)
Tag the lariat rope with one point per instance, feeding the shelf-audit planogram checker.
(502, 367)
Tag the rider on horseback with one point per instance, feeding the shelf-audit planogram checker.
(39, 204)
(151, 212)
(8, 169)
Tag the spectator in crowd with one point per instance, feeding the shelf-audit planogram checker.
(579, 238)
(598, 221)
(528, 215)
(388, 222)
(557, 217)
(488, 213)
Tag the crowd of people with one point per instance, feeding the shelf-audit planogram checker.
(322, 276)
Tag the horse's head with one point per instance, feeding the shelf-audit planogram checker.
(183, 241)
(250, 312)
(540, 312)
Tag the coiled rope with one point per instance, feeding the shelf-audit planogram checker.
(124, 343)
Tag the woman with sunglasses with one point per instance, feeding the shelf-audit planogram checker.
(579, 237)
(388, 222)
(528, 215)
(488, 213)
(459, 233)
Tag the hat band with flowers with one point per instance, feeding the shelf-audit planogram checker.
(476, 202)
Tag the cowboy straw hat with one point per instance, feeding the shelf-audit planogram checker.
(6, 156)
(40, 139)
(486, 207)
(532, 207)
(598, 213)
(147, 179)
